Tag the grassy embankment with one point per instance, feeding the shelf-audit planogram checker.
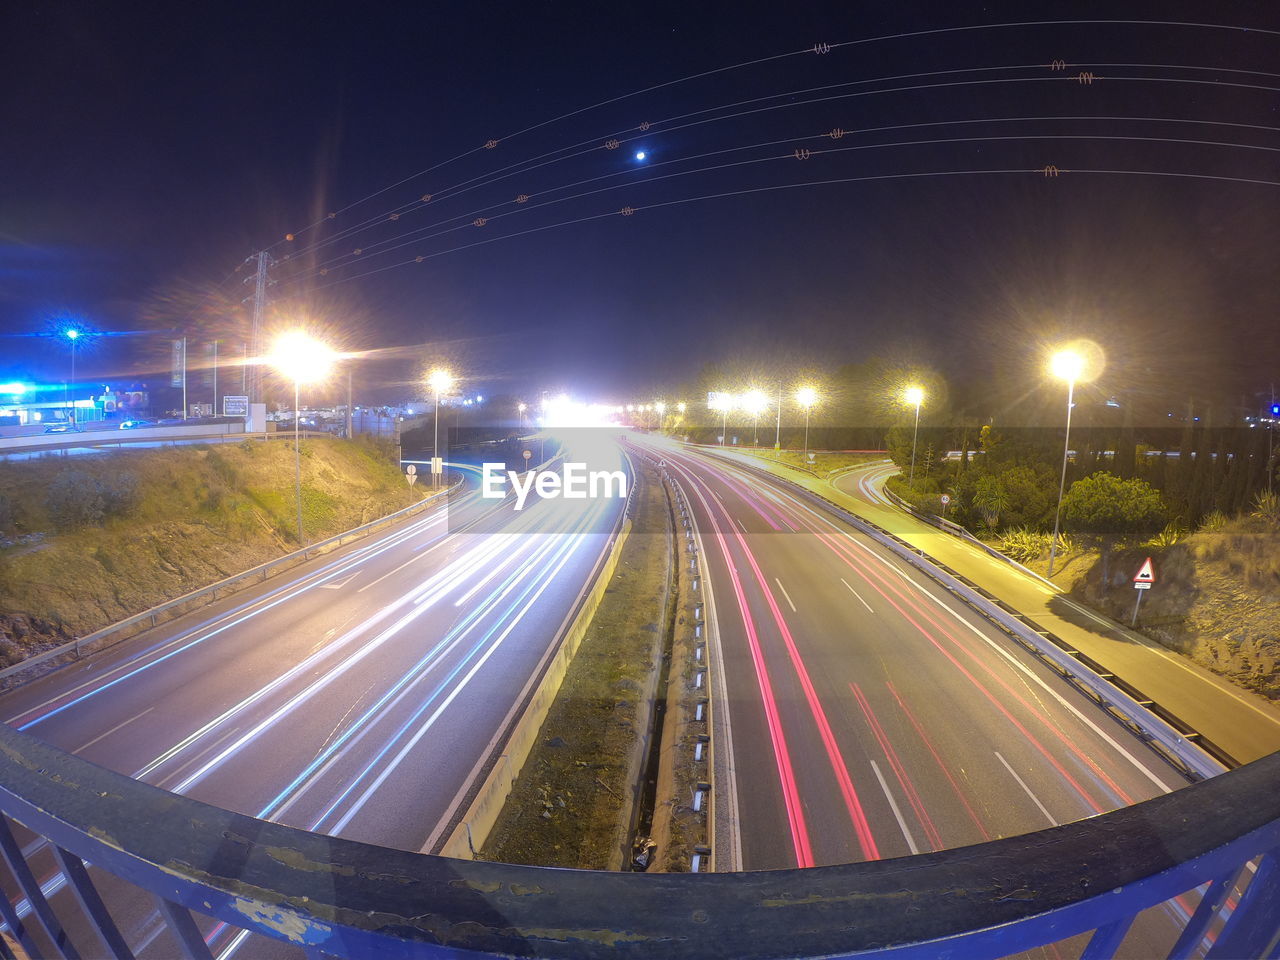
(572, 803)
(1216, 598)
(86, 541)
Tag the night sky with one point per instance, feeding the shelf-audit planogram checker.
(146, 150)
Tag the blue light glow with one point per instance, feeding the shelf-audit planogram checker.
(640, 155)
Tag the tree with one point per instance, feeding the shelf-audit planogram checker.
(1103, 508)
(1030, 494)
(991, 499)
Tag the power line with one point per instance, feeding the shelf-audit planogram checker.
(817, 48)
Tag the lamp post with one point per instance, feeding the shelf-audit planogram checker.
(73, 336)
(521, 407)
(440, 380)
(777, 436)
(754, 403)
(1065, 365)
(806, 397)
(722, 403)
(914, 396)
(302, 359)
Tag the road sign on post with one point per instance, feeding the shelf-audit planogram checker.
(437, 465)
(1145, 577)
(411, 474)
(528, 455)
(946, 499)
(1142, 581)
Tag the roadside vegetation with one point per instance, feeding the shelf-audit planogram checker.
(574, 802)
(87, 541)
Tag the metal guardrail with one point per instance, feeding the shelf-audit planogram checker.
(130, 626)
(340, 898)
(1176, 741)
(961, 533)
(1170, 718)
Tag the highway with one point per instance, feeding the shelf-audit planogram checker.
(355, 696)
(860, 712)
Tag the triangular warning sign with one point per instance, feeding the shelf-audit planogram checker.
(1146, 574)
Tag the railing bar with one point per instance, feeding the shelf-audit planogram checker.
(1254, 920)
(184, 930)
(35, 896)
(91, 903)
(1210, 903)
(10, 916)
(1106, 940)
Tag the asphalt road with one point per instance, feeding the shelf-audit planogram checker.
(860, 712)
(354, 696)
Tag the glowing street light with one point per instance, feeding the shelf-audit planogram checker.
(680, 407)
(521, 407)
(722, 403)
(913, 396)
(806, 397)
(303, 359)
(439, 380)
(1069, 365)
(72, 334)
(754, 403)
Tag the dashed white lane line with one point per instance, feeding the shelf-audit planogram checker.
(1022, 783)
(856, 594)
(103, 736)
(893, 805)
(785, 594)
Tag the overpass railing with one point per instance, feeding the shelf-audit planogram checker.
(106, 843)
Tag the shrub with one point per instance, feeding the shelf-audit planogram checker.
(1173, 533)
(1266, 507)
(1024, 544)
(121, 495)
(74, 500)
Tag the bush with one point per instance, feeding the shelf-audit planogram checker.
(121, 496)
(74, 500)
(1172, 534)
(1024, 545)
(77, 499)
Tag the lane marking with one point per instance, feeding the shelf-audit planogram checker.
(1034, 799)
(893, 804)
(103, 736)
(339, 584)
(856, 594)
(1027, 671)
(786, 595)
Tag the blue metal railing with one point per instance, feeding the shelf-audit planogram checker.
(1212, 845)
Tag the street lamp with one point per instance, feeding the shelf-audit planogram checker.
(72, 335)
(521, 407)
(913, 396)
(806, 397)
(722, 403)
(439, 380)
(1066, 365)
(302, 359)
(754, 402)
